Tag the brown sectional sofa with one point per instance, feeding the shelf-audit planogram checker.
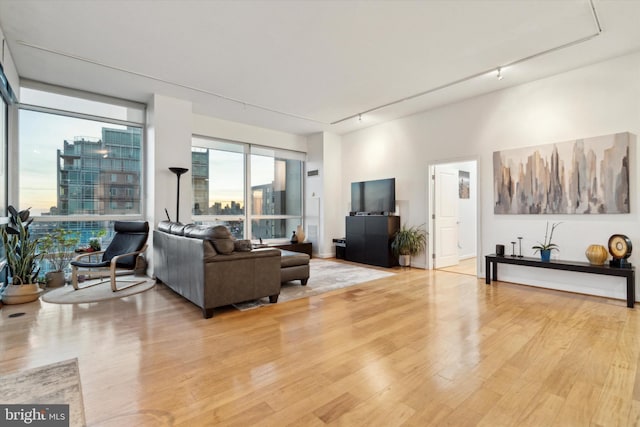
(195, 262)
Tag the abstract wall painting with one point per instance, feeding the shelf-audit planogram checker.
(463, 184)
(585, 176)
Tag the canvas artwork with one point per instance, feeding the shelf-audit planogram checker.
(463, 184)
(585, 176)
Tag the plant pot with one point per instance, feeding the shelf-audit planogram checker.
(55, 279)
(404, 260)
(545, 255)
(20, 294)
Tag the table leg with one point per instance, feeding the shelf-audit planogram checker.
(495, 271)
(631, 289)
(487, 271)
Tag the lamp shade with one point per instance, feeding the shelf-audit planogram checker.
(178, 171)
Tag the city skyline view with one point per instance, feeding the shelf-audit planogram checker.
(43, 134)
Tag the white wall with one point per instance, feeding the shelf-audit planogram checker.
(233, 131)
(168, 144)
(596, 100)
(324, 220)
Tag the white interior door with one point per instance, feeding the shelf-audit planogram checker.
(446, 217)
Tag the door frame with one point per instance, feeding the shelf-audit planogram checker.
(431, 207)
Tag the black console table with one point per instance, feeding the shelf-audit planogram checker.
(583, 267)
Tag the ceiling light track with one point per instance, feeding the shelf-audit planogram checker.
(499, 69)
(244, 104)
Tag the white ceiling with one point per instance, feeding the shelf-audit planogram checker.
(316, 61)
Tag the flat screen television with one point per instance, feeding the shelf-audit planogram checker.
(374, 197)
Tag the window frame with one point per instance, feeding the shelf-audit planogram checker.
(248, 150)
(140, 110)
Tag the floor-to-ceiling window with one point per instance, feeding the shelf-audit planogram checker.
(80, 164)
(276, 193)
(7, 98)
(255, 191)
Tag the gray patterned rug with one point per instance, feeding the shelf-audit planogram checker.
(58, 383)
(324, 276)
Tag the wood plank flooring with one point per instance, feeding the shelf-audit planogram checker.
(420, 348)
(465, 266)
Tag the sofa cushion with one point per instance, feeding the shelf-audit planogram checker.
(223, 246)
(177, 228)
(165, 226)
(290, 259)
(198, 232)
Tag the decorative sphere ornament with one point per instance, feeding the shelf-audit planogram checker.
(597, 254)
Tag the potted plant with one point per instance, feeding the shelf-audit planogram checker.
(59, 246)
(545, 247)
(22, 258)
(408, 242)
(95, 243)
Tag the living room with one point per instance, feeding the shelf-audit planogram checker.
(595, 96)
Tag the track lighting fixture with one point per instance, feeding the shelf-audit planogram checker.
(485, 72)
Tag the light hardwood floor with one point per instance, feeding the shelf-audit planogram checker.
(465, 266)
(421, 348)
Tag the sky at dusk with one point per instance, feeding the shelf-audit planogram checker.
(42, 134)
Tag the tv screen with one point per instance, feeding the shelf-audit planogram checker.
(378, 196)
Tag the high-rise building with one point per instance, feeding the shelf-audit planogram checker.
(100, 176)
(200, 180)
(96, 176)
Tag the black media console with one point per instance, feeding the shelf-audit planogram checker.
(583, 267)
(369, 238)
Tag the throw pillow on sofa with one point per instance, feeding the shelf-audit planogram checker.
(220, 232)
(242, 245)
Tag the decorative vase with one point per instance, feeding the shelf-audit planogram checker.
(294, 238)
(55, 279)
(545, 255)
(19, 294)
(597, 254)
(404, 260)
(300, 234)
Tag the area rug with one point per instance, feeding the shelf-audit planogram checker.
(324, 276)
(58, 383)
(101, 292)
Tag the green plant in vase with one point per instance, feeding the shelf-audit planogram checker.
(408, 242)
(59, 246)
(22, 258)
(546, 246)
(95, 242)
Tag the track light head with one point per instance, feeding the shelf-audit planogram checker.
(500, 73)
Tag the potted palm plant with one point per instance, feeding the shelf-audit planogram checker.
(22, 258)
(59, 247)
(408, 242)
